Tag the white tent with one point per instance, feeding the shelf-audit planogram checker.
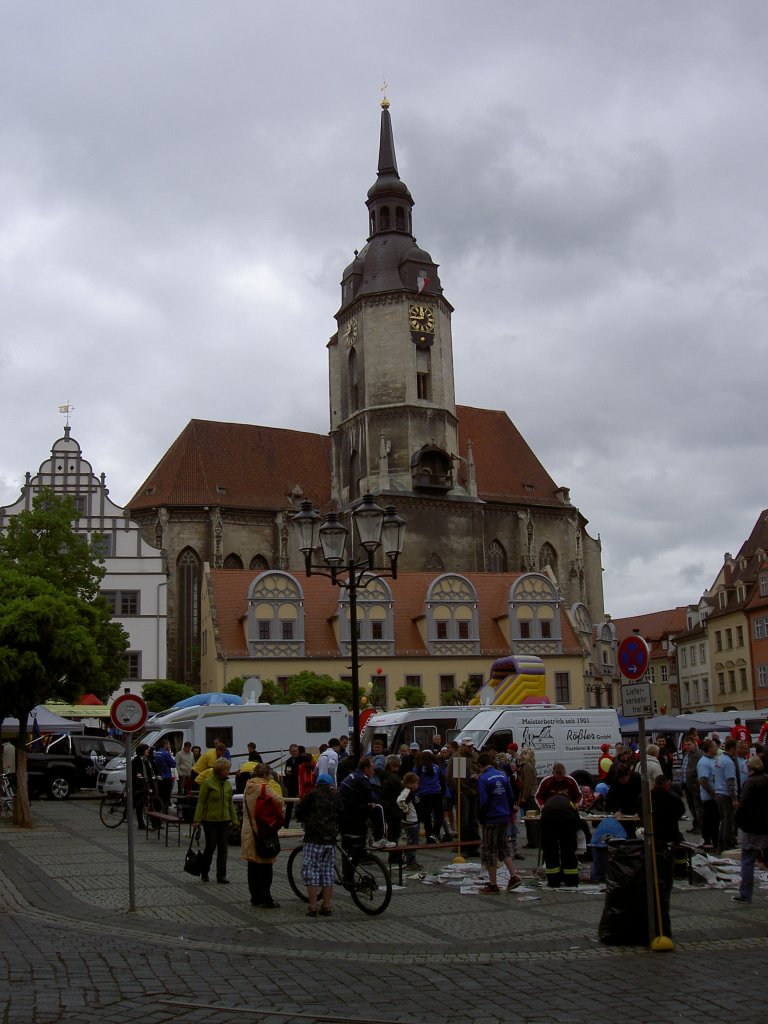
(46, 720)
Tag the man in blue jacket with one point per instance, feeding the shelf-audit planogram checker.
(495, 801)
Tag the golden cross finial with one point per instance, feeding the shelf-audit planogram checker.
(385, 101)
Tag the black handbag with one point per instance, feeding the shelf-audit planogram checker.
(193, 860)
(267, 843)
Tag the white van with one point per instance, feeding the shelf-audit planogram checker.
(553, 733)
(419, 725)
(272, 727)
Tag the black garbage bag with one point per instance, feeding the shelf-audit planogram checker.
(624, 921)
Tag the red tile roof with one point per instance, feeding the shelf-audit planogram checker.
(238, 465)
(654, 625)
(409, 590)
(505, 467)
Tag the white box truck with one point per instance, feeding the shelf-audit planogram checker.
(553, 733)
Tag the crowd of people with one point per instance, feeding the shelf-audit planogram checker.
(451, 793)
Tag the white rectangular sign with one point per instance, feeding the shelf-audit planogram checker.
(636, 700)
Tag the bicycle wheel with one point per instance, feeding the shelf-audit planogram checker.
(112, 811)
(295, 880)
(371, 888)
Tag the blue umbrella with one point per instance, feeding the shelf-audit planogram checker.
(198, 699)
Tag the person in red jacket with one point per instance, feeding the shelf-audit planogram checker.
(559, 783)
(605, 761)
(740, 732)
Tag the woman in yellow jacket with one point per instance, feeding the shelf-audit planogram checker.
(216, 811)
(259, 868)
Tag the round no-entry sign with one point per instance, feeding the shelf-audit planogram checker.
(633, 657)
(128, 712)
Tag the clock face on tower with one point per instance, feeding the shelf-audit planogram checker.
(421, 320)
(351, 332)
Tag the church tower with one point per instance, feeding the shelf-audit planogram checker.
(393, 410)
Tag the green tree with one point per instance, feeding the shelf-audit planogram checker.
(464, 693)
(42, 543)
(411, 696)
(318, 689)
(271, 693)
(57, 638)
(235, 685)
(164, 693)
(53, 646)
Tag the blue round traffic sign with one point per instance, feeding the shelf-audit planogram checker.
(633, 657)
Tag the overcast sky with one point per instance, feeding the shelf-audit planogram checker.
(182, 183)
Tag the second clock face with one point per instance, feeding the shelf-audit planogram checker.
(422, 318)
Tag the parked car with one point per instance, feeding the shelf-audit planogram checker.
(112, 776)
(68, 764)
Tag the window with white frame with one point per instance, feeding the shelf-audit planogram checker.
(761, 628)
(703, 654)
(453, 625)
(534, 611)
(375, 623)
(664, 674)
(705, 689)
(764, 584)
(743, 678)
(275, 616)
(762, 676)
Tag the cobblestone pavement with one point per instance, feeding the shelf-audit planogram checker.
(70, 950)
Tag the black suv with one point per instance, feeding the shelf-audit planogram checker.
(69, 763)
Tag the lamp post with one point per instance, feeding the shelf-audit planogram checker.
(375, 528)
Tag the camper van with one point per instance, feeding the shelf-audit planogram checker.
(272, 727)
(416, 725)
(553, 733)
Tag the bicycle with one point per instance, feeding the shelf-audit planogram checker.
(6, 796)
(371, 885)
(113, 809)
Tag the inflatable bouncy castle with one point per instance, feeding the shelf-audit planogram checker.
(518, 679)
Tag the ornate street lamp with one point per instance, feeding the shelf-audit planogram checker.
(375, 528)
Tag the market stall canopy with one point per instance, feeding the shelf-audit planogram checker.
(98, 710)
(47, 720)
(199, 699)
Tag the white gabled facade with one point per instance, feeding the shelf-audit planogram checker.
(136, 581)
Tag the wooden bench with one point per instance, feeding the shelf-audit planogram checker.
(400, 850)
(167, 820)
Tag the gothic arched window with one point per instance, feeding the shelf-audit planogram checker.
(400, 218)
(233, 562)
(258, 562)
(497, 557)
(548, 557)
(384, 218)
(188, 617)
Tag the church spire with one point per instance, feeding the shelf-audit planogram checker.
(389, 201)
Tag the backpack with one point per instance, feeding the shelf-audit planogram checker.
(266, 810)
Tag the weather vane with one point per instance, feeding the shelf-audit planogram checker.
(66, 410)
(384, 87)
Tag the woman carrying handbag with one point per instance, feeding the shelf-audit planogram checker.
(259, 843)
(216, 810)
